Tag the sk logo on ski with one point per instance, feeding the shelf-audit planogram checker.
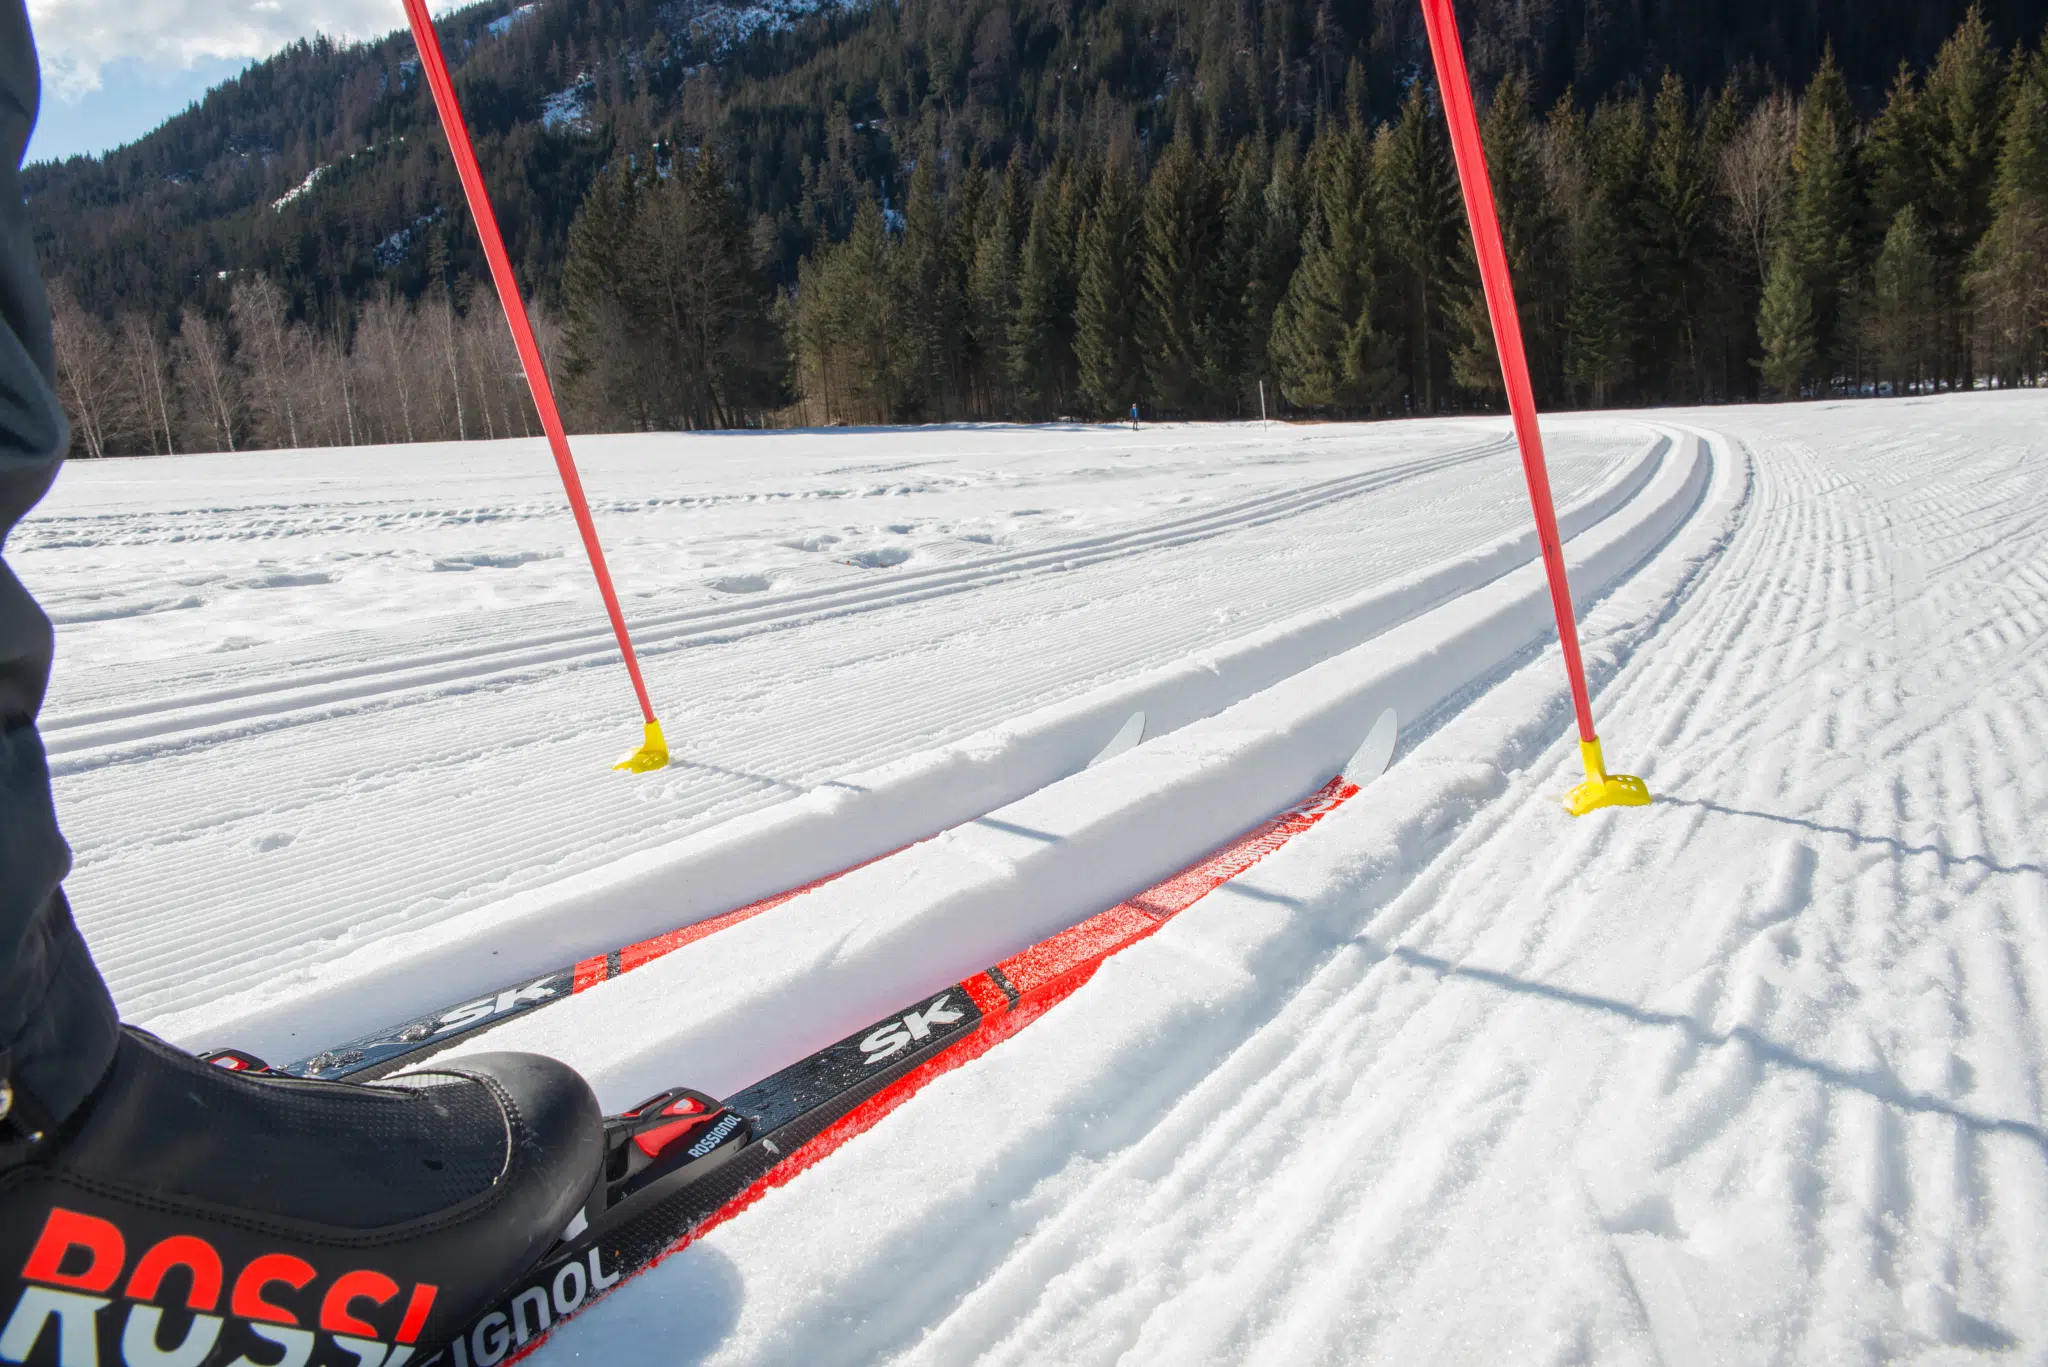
(510, 1000)
(894, 1037)
(69, 1298)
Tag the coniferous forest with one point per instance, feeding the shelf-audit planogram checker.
(929, 210)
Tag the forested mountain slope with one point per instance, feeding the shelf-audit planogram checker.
(317, 186)
(811, 112)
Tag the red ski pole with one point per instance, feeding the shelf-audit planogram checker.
(1600, 789)
(653, 752)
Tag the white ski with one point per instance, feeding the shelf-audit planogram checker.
(1370, 760)
(1127, 737)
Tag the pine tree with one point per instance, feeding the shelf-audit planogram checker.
(1728, 298)
(1899, 153)
(1599, 321)
(1415, 184)
(1533, 233)
(669, 324)
(1183, 235)
(935, 278)
(1787, 326)
(1906, 302)
(2008, 280)
(1594, 168)
(1276, 255)
(1963, 99)
(807, 320)
(1963, 107)
(1823, 226)
(1041, 348)
(699, 309)
(992, 303)
(1676, 220)
(1326, 344)
(1111, 296)
(857, 358)
(601, 379)
(1237, 343)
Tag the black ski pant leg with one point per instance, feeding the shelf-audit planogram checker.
(57, 1022)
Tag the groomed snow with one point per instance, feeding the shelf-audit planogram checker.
(306, 703)
(1753, 1075)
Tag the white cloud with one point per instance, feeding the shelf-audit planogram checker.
(76, 38)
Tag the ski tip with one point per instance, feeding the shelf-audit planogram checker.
(1370, 760)
(1126, 738)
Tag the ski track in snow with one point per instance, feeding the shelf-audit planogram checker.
(304, 702)
(1754, 1075)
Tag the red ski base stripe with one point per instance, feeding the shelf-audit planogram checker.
(1024, 987)
(397, 1046)
(600, 968)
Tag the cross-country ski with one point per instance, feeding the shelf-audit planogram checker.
(420, 1038)
(680, 1162)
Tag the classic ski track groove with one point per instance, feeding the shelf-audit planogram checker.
(307, 904)
(1047, 973)
(585, 973)
(275, 703)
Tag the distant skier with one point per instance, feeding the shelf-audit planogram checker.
(288, 1220)
(1134, 417)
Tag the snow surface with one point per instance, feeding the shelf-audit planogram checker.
(1753, 1075)
(305, 704)
(568, 108)
(727, 23)
(299, 191)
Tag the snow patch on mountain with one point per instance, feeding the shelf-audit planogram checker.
(722, 25)
(298, 191)
(567, 110)
(498, 28)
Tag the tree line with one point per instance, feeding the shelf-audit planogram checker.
(258, 378)
(1670, 244)
(1667, 247)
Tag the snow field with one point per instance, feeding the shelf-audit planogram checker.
(1753, 1075)
(857, 818)
(225, 855)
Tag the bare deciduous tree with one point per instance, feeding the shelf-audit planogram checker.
(90, 377)
(1756, 175)
(271, 351)
(386, 334)
(207, 379)
(149, 366)
(438, 316)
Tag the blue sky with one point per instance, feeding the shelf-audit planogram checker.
(115, 69)
(133, 97)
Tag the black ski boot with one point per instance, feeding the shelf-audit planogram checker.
(191, 1216)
